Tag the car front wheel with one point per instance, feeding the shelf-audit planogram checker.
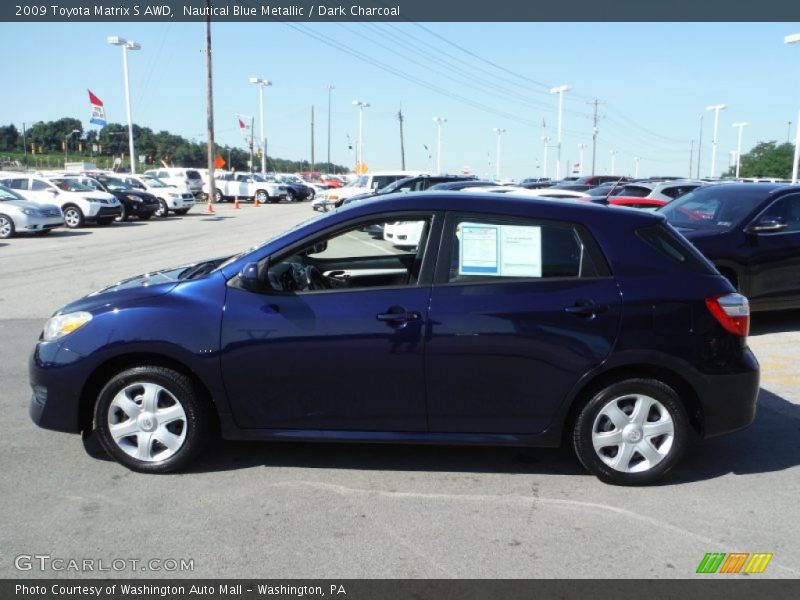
(631, 432)
(163, 209)
(6, 227)
(73, 217)
(152, 419)
(262, 196)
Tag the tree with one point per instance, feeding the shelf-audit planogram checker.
(767, 159)
(9, 138)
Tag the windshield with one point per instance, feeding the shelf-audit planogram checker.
(113, 183)
(360, 181)
(395, 185)
(71, 185)
(154, 182)
(713, 208)
(7, 194)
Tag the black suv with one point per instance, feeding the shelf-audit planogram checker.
(135, 203)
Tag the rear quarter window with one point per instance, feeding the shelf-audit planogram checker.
(669, 243)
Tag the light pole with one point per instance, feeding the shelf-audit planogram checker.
(560, 91)
(127, 45)
(636, 160)
(740, 126)
(581, 148)
(439, 122)
(716, 108)
(360, 150)
(545, 141)
(794, 39)
(66, 144)
(499, 131)
(262, 83)
(613, 162)
(330, 89)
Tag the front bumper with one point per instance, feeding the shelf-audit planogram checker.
(180, 203)
(54, 373)
(100, 211)
(29, 224)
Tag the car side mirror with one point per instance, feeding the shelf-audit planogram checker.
(53, 191)
(766, 226)
(248, 277)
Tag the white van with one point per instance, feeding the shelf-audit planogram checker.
(181, 178)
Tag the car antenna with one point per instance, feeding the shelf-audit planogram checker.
(612, 188)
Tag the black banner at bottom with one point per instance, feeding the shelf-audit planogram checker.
(704, 587)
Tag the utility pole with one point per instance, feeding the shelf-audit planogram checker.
(402, 142)
(25, 145)
(328, 167)
(581, 147)
(700, 145)
(252, 144)
(312, 138)
(788, 132)
(691, 157)
(212, 188)
(545, 141)
(595, 131)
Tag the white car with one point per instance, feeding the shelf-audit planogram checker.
(230, 186)
(362, 184)
(17, 215)
(180, 178)
(78, 202)
(404, 234)
(170, 198)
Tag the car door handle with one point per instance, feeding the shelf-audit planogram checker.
(586, 308)
(398, 314)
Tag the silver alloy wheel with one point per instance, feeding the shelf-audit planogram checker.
(72, 217)
(262, 196)
(633, 433)
(217, 196)
(5, 227)
(162, 211)
(147, 422)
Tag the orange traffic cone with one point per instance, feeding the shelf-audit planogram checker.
(236, 204)
(256, 203)
(209, 209)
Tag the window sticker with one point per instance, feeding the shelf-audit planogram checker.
(499, 250)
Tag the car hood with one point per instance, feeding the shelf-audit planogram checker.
(146, 285)
(25, 204)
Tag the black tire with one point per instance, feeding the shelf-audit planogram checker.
(198, 418)
(291, 196)
(620, 392)
(182, 211)
(6, 227)
(124, 215)
(73, 217)
(163, 209)
(263, 197)
(218, 197)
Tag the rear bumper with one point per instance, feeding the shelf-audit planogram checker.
(729, 400)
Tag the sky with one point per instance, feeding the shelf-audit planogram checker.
(653, 81)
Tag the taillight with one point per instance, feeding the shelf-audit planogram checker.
(732, 311)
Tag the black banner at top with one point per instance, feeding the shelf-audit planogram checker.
(398, 10)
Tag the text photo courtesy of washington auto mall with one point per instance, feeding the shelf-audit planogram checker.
(402, 299)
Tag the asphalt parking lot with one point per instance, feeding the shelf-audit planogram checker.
(262, 510)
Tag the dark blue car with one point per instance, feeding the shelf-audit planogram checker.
(751, 232)
(500, 320)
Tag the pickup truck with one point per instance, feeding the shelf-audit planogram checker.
(231, 186)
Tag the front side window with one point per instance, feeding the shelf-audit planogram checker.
(785, 210)
(496, 250)
(713, 208)
(37, 185)
(376, 253)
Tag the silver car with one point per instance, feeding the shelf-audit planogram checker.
(17, 215)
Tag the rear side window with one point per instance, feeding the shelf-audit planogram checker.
(16, 184)
(192, 175)
(38, 185)
(667, 242)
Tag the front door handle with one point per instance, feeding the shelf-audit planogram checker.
(586, 308)
(398, 314)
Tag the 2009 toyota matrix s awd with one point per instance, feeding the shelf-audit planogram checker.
(512, 321)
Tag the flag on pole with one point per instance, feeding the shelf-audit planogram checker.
(98, 112)
(244, 128)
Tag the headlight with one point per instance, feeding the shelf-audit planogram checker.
(95, 200)
(132, 197)
(174, 195)
(31, 212)
(61, 325)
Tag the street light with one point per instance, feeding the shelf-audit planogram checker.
(330, 89)
(439, 122)
(794, 39)
(546, 142)
(262, 83)
(66, 144)
(560, 91)
(499, 131)
(613, 162)
(581, 147)
(115, 40)
(360, 150)
(636, 160)
(741, 125)
(716, 108)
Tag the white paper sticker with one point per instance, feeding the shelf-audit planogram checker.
(499, 250)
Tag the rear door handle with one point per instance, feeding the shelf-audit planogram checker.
(586, 308)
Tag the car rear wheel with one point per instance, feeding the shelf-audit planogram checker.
(218, 197)
(73, 217)
(290, 196)
(6, 227)
(631, 432)
(163, 209)
(152, 419)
